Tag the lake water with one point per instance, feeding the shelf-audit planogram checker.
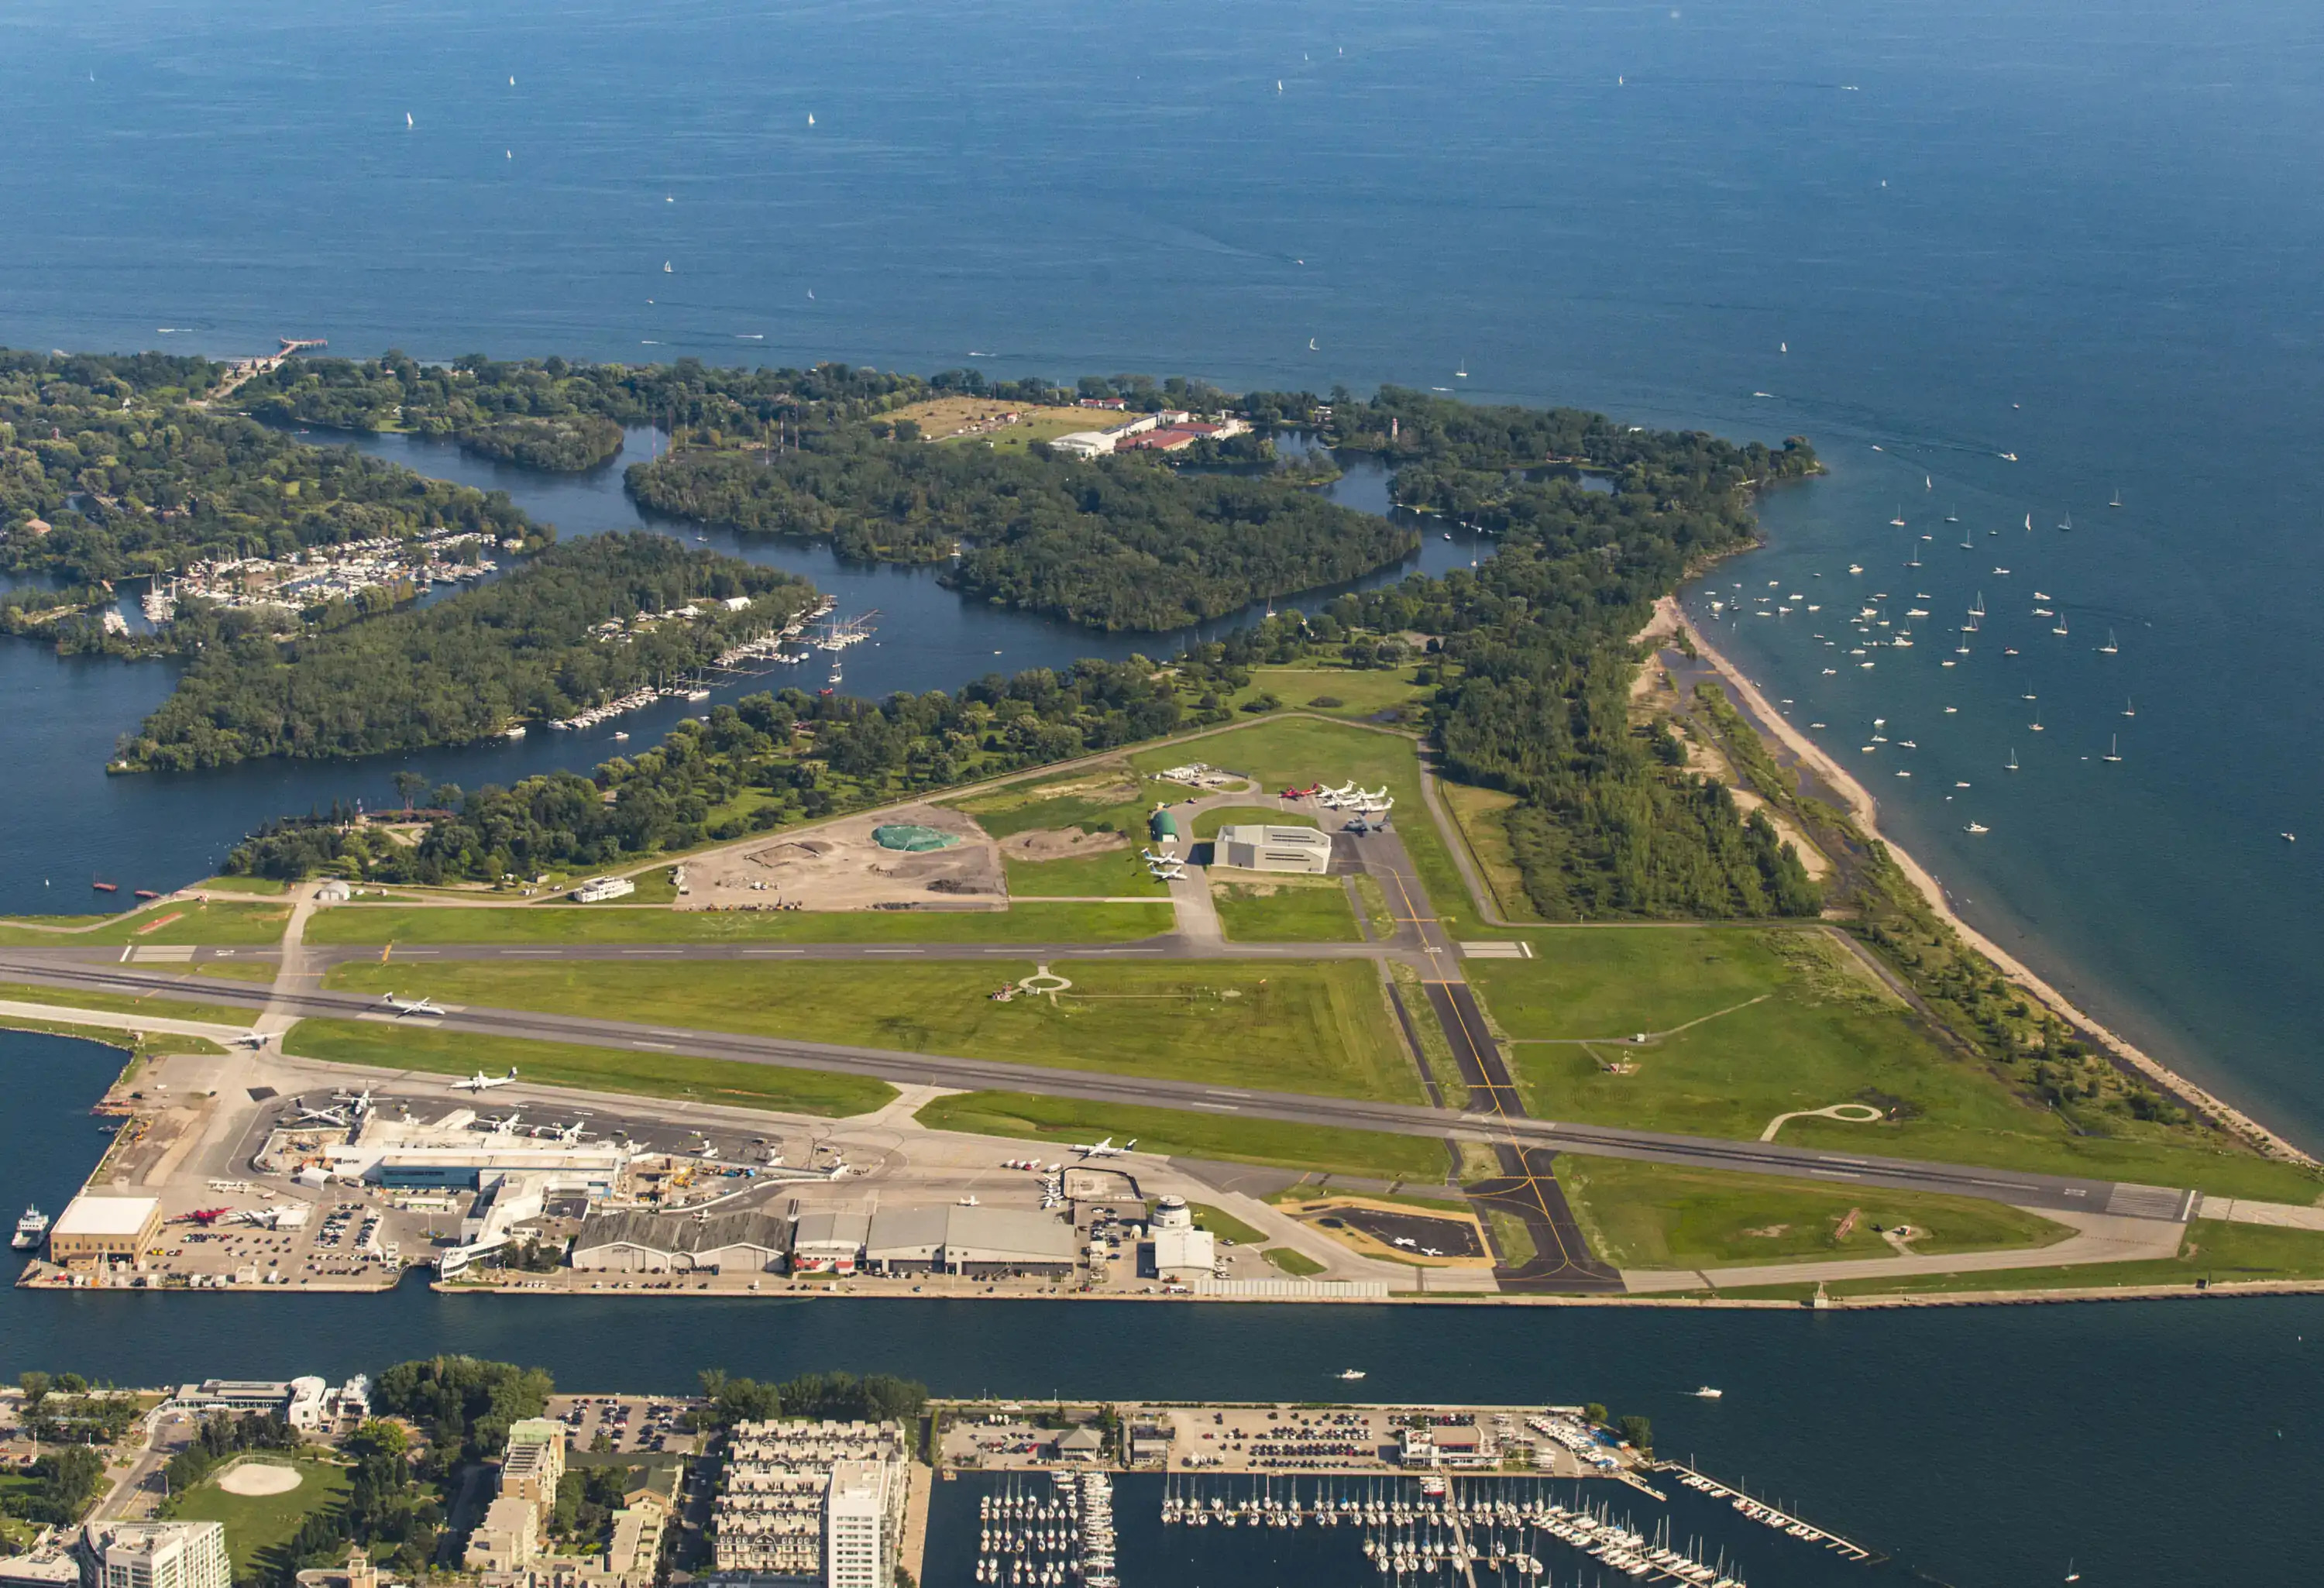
(2083, 235)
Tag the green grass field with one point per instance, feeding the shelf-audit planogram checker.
(1291, 909)
(1065, 1120)
(1224, 1225)
(1032, 922)
(1110, 798)
(200, 922)
(1652, 1215)
(257, 1525)
(1290, 752)
(2222, 1253)
(1298, 1264)
(594, 1069)
(1361, 692)
(157, 1006)
(1320, 1027)
(259, 971)
(259, 887)
(1822, 1032)
(1477, 814)
(1117, 873)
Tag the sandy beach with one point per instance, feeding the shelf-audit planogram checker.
(1861, 806)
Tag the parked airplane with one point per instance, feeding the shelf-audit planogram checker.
(505, 1125)
(1105, 1149)
(320, 1116)
(358, 1101)
(411, 1005)
(568, 1134)
(481, 1082)
(1309, 792)
(203, 1216)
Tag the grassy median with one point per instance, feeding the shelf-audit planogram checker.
(378, 1046)
(1654, 1215)
(1031, 922)
(196, 922)
(1179, 1132)
(1291, 1026)
(1285, 910)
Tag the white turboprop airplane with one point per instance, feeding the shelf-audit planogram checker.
(481, 1082)
(252, 1040)
(321, 1116)
(568, 1135)
(358, 1101)
(1105, 1149)
(411, 1005)
(505, 1125)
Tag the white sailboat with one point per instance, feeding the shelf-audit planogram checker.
(1899, 520)
(2114, 748)
(2127, 708)
(2060, 627)
(2109, 648)
(2036, 723)
(2013, 762)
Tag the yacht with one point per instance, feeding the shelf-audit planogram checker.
(1707, 1393)
(1350, 1375)
(29, 1229)
(1978, 828)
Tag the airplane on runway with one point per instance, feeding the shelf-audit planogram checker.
(249, 1039)
(404, 1006)
(1105, 1149)
(481, 1082)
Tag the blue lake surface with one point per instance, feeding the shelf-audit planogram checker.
(1925, 236)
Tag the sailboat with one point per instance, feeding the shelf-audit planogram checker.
(810, 118)
(2127, 708)
(2036, 723)
(1954, 516)
(2109, 648)
(1463, 373)
(2066, 521)
(1928, 483)
(2114, 748)
(2062, 622)
(666, 270)
(2117, 497)
(2013, 761)
(407, 118)
(2029, 523)
(1979, 610)
(1899, 520)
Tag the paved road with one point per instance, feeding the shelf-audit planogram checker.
(44, 967)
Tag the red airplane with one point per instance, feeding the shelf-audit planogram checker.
(1303, 793)
(204, 1216)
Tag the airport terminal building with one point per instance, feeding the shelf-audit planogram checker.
(1271, 849)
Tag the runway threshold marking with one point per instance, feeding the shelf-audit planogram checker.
(665, 1046)
(1219, 1107)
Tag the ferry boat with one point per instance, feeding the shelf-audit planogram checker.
(29, 1229)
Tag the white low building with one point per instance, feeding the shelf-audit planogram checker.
(1270, 848)
(597, 890)
(1181, 1251)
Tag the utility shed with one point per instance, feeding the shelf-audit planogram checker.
(1256, 849)
(1162, 827)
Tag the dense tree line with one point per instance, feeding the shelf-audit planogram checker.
(872, 1398)
(1114, 543)
(802, 756)
(223, 1436)
(464, 1404)
(131, 481)
(520, 649)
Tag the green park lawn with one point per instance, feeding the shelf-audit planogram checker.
(1286, 909)
(727, 1081)
(1219, 1222)
(1295, 1263)
(1117, 873)
(1318, 1028)
(1065, 1120)
(1653, 1215)
(1359, 691)
(1035, 921)
(258, 1526)
(1822, 1032)
(197, 922)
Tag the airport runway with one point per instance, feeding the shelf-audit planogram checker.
(46, 968)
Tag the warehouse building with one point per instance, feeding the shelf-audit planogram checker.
(829, 1242)
(95, 1230)
(1270, 848)
(650, 1243)
(981, 1243)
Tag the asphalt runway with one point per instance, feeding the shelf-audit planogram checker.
(46, 968)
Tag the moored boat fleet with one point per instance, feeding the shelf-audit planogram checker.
(1429, 1529)
(1767, 1515)
(1048, 1535)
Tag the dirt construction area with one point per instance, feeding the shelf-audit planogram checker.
(844, 867)
(1059, 844)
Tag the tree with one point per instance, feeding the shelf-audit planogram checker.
(409, 786)
(1639, 1433)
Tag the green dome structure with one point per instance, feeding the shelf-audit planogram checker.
(911, 838)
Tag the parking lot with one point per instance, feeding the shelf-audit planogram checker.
(626, 1423)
